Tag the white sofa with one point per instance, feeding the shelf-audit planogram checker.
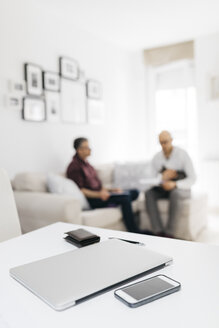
(37, 207)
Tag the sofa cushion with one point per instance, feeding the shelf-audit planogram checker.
(105, 174)
(57, 184)
(30, 181)
(101, 217)
(129, 175)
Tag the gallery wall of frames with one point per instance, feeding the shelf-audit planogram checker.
(64, 96)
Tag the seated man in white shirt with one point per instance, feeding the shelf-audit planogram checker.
(174, 175)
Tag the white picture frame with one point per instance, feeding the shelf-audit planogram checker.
(52, 106)
(94, 89)
(69, 68)
(34, 109)
(96, 111)
(13, 102)
(73, 102)
(16, 87)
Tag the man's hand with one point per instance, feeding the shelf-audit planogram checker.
(168, 175)
(169, 185)
(116, 190)
(104, 194)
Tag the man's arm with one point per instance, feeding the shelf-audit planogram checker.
(102, 194)
(74, 173)
(155, 174)
(170, 177)
(190, 174)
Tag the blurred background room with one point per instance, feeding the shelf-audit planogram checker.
(117, 72)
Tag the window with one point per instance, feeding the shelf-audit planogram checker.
(175, 104)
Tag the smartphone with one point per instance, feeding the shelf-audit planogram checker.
(147, 290)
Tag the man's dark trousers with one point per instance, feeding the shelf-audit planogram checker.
(124, 200)
(175, 196)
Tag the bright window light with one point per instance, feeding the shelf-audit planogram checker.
(175, 107)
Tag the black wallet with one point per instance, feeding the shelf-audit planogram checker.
(81, 237)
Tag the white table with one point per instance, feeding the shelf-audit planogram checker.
(195, 265)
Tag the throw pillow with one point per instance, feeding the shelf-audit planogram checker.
(30, 181)
(60, 185)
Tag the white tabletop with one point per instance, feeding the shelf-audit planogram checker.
(195, 265)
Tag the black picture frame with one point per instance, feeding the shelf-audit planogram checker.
(51, 81)
(33, 78)
(29, 109)
(94, 89)
(69, 68)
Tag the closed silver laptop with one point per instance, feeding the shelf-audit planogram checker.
(69, 278)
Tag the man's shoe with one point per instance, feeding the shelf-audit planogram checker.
(160, 234)
(167, 235)
(147, 232)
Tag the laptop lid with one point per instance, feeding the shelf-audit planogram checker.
(69, 278)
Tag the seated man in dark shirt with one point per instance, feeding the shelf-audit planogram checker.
(85, 176)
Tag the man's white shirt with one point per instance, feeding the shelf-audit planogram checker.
(178, 160)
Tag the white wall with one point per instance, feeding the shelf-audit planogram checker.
(40, 33)
(207, 65)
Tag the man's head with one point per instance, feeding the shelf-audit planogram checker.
(82, 148)
(166, 139)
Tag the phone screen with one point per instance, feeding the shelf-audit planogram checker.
(147, 288)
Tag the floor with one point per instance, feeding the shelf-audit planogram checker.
(211, 234)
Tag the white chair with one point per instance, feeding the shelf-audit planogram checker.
(9, 221)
